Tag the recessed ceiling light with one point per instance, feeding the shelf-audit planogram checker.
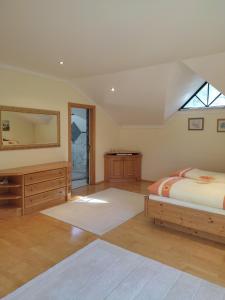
(61, 62)
(112, 89)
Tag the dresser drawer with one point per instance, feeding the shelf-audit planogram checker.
(47, 197)
(40, 187)
(44, 175)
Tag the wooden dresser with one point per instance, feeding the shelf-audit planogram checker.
(122, 167)
(33, 188)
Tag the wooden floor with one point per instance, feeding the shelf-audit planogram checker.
(31, 244)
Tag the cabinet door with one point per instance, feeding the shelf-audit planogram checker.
(130, 167)
(116, 168)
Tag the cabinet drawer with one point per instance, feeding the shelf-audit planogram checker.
(37, 188)
(55, 195)
(44, 175)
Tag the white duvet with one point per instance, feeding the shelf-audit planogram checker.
(210, 194)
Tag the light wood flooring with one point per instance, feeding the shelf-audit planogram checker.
(31, 244)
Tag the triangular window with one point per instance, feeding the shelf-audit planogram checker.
(206, 96)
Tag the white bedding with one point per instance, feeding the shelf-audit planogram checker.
(198, 174)
(199, 192)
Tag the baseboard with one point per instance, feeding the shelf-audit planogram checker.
(99, 182)
(144, 180)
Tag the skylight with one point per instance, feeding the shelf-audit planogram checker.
(206, 96)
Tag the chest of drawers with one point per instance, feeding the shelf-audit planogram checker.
(36, 187)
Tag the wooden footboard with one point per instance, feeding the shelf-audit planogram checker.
(196, 222)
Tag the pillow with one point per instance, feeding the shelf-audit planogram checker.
(163, 186)
(203, 175)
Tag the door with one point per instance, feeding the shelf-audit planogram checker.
(81, 145)
(116, 168)
(130, 167)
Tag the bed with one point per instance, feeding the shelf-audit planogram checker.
(192, 205)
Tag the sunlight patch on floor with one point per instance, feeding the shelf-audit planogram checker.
(91, 200)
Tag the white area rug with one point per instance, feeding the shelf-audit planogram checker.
(104, 271)
(99, 212)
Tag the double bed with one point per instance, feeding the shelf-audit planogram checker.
(192, 201)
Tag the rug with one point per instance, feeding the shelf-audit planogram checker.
(105, 271)
(99, 212)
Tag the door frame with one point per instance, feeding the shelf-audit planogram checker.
(92, 138)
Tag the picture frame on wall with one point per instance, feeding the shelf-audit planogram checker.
(195, 123)
(221, 125)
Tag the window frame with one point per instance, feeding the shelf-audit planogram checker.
(208, 106)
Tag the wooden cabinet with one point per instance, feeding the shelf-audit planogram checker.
(44, 175)
(115, 167)
(122, 167)
(33, 188)
(11, 195)
(45, 186)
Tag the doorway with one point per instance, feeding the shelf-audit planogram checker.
(81, 145)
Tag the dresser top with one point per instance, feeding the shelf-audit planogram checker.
(34, 168)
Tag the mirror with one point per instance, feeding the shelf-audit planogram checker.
(23, 128)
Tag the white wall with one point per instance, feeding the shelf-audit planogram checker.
(28, 90)
(164, 149)
(173, 146)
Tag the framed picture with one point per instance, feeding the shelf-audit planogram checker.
(221, 125)
(195, 123)
(5, 125)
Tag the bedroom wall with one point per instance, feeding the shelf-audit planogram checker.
(172, 146)
(29, 90)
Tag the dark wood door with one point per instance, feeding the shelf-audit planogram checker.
(116, 168)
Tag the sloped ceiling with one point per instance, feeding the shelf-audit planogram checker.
(95, 37)
(139, 94)
(145, 96)
(211, 68)
(155, 53)
(149, 96)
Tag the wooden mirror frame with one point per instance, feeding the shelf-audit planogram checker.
(31, 111)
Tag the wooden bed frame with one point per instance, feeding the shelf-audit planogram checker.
(196, 222)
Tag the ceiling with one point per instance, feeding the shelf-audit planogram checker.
(144, 48)
(145, 96)
(97, 36)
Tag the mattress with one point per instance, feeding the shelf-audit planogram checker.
(187, 204)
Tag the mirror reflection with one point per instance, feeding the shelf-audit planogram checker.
(25, 128)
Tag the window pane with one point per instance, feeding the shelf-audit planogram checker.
(213, 93)
(203, 93)
(200, 100)
(220, 101)
(194, 103)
